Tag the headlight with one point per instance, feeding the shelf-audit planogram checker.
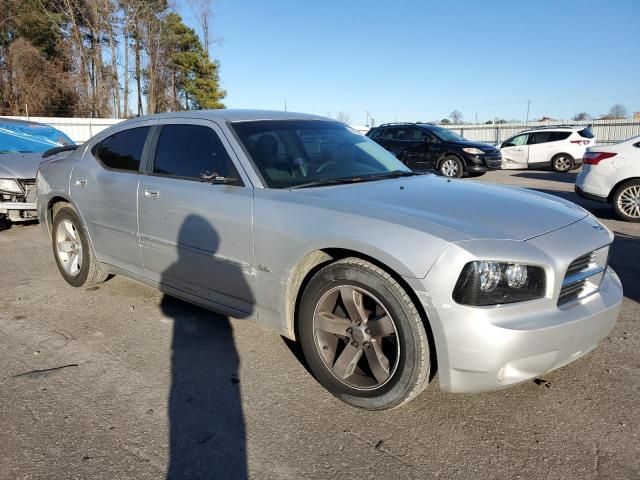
(493, 283)
(473, 151)
(9, 185)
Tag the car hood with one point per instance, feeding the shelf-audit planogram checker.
(19, 165)
(474, 209)
(482, 146)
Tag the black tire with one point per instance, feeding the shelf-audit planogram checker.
(451, 167)
(629, 190)
(89, 272)
(562, 163)
(410, 374)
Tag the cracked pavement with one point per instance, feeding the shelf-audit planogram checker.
(153, 387)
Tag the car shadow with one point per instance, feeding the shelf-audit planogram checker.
(569, 177)
(624, 258)
(207, 437)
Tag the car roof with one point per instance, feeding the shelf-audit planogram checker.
(234, 115)
(556, 127)
(18, 121)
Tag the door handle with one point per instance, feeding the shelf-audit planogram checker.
(81, 181)
(151, 192)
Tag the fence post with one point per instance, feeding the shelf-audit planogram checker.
(90, 130)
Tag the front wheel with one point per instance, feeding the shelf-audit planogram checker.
(73, 253)
(562, 163)
(626, 201)
(362, 336)
(451, 167)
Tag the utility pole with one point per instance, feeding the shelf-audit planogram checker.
(285, 104)
(476, 118)
(528, 105)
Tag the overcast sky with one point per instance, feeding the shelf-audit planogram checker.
(411, 60)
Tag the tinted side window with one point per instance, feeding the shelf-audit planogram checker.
(557, 136)
(389, 133)
(376, 133)
(539, 137)
(418, 134)
(191, 151)
(122, 150)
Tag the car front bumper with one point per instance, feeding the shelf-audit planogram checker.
(482, 163)
(503, 356)
(490, 348)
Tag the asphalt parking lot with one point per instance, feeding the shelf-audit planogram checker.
(153, 387)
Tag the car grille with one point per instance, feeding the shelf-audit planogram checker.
(583, 276)
(29, 186)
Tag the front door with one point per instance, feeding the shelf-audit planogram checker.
(515, 152)
(195, 235)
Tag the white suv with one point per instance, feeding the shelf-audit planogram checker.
(612, 174)
(560, 148)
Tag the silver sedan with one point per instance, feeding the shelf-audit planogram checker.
(309, 228)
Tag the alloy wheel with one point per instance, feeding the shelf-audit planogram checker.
(563, 164)
(629, 201)
(449, 168)
(69, 247)
(356, 337)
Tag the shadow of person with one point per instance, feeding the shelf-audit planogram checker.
(206, 422)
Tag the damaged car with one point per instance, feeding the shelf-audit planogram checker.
(22, 146)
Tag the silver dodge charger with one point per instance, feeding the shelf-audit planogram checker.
(308, 227)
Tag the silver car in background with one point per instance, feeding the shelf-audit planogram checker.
(22, 145)
(308, 227)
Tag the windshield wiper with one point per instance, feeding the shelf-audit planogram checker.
(328, 181)
(392, 174)
(366, 178)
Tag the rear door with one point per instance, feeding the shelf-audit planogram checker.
(104, 186)
(197, 236)
(540, 146)
(420, 153)
(515, 151)
(544, 145)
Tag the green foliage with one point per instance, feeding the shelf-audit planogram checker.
(195, 75)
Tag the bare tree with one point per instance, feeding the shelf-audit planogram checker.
(617, 111)
(578, 117)
(343, 117)
(455, 116)
(204, 14)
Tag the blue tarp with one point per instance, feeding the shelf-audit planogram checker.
(27, 137)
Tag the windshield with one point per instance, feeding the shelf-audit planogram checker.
(447, 135)
(23, 137)
(297, 153)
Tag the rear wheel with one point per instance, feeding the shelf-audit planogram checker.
(626, 201)
(451, 167)
(362, 336)
(73, 253)
(562, 163)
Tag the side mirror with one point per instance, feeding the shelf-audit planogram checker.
(506, 144)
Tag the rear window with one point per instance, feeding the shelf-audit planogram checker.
(586, 133)
(122, 150)
(557, 136)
